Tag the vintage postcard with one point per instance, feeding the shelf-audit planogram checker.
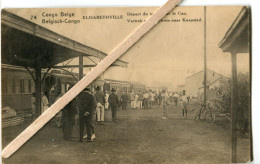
(181, 94)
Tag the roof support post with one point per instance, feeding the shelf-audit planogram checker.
(80, 67)
(234, 100)
(38, 89)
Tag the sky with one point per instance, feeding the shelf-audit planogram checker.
(166, 55)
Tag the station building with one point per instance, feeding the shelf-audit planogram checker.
(194, 83)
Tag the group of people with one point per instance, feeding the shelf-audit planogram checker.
(144, 100)
(166, 101)
(148, 99)
(88, 104)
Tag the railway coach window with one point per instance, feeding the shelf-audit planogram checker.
(25, 86)
(21, 86)
(4, 85)
(10, 85)
(32, 86)
(7, 85)
(17, 85)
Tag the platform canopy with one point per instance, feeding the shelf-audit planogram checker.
(237, 37)
(27, 44)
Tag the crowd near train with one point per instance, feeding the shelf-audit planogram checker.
(18, 95)
(18, 86)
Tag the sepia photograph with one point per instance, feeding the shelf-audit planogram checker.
(181, 94)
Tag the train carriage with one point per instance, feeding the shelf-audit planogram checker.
(18, 86)
(138, 87)
(120, 86)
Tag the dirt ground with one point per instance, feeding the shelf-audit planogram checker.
(139, 137)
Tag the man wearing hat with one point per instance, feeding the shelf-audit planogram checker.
(100, 98)
(86, 105)
(113, 102)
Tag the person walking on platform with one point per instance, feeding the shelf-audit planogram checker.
(86, 106)
(100, 99)
(113, 101)
(68, 119)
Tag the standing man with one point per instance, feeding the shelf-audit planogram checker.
(155, 98)
(159, 99)
(184, 102)
(140, 100)
(68, 118)
(113, 101)
(188, 97)
(86, 105)
(132, 100)
(128, 98)
(136, 101)
(146, 96)
(44, 102)
(165, 103)
(100, 98)
(150, 99)
(170, 96)
(106, 98)
(176, 96)
(124, 100)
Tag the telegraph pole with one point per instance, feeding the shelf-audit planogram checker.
(205, 56)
